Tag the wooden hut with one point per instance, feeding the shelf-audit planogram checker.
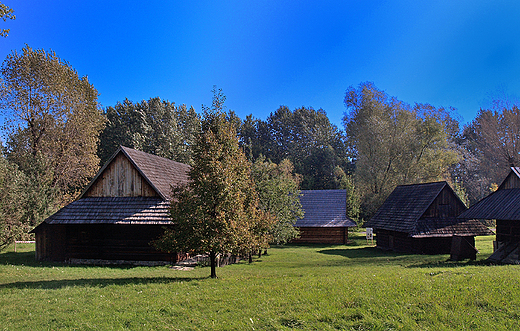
(325, 220)
(422, 218)
(120, 212)
(503, 205)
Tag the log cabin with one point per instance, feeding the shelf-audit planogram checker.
(325, 220)
(123, 209)
(422, 218)
(503, 206)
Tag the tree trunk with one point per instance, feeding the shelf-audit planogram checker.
(250, 258)
(213, 262)
(259, 253)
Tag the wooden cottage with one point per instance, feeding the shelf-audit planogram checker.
(121, 211)
(422, 218)
(503, 205)
(325, 220)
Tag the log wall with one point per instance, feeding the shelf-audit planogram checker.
(322, 235)
(507, 231)
(402, 242)
(61, 242)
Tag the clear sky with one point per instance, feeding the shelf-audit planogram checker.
(264, 54)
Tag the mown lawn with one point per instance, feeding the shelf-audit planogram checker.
(352, 287)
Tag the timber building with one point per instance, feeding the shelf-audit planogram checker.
(503, 205)
(120, 212)
(325, 220)
(422, 218)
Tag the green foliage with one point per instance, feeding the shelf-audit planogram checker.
(393, 143)
(13, 196)
(346, 182)
(304, 136)
(5, 14)
(53, 119)
(279, 195)
(218, 211)
(460, 190)
(155, 126)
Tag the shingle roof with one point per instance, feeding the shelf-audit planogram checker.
(501, 205)
(324, 208)
(447, 227)
(159, 172)
(120, 210)
(405, 206)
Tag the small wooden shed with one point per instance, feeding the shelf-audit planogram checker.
(503, 205)
(325, 220)
(121, 211)
(422, 218)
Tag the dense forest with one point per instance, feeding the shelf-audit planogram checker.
(56, 137)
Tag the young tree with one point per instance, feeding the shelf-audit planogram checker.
(217, 212)
(279, 194)
(53, 117)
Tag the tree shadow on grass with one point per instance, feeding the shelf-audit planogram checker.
(451, 264)
(96, 282)
(28, 259)
(362, 252)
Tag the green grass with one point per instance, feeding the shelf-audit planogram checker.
(352, 287)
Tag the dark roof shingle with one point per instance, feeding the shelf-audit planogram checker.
(120, 210)
(501, 205)
(161, 172)
(447, 227)
(324, 208)
(405, 206)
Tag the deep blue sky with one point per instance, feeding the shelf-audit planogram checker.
(264, 54)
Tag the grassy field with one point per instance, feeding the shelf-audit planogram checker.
(353, 287)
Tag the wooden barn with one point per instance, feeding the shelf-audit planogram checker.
(503, 205)
(120, 212)
(325, 220)
(422, 218)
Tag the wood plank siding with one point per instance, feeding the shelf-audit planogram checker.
(512, 180)
(446, 204)
(508, 231)
(120, 179)
(322, 235)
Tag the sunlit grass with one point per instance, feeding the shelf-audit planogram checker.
(351, 287)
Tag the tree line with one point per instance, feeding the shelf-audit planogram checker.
(57, 136)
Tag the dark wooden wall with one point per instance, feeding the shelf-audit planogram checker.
(62, 242)
(322, 235)
(511, 181)
(445, 205)
(507, 231)
(120, 179)
(402, 242)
